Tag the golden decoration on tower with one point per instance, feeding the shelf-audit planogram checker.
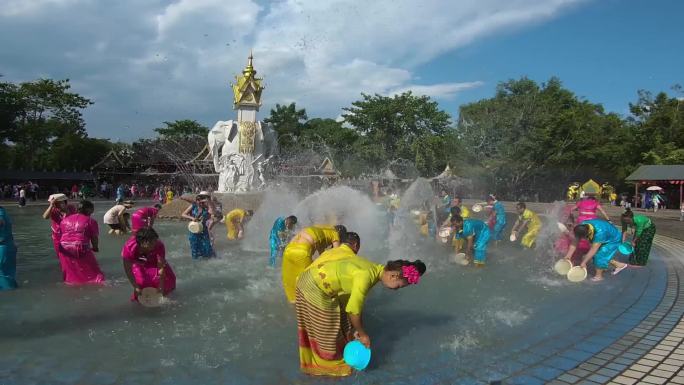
(247, 88)
(247, 132)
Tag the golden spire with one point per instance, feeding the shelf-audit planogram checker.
(247, 88)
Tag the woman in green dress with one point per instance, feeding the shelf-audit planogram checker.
(644, 231)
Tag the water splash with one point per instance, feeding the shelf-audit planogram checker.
(404, 235)
(549, 232)
(276, 202)
(344, 205)
(461, 342)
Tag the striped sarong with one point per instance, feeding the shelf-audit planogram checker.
(322, 329)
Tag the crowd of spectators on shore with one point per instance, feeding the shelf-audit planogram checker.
(30, 191)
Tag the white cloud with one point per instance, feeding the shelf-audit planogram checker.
(439, 91)
(145, 62)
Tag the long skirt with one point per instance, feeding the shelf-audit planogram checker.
(8, 267)
(149, 277)
(200, 245)
(322, 329)
(232, 230)
(277, 248)
(55, 244)
(530, 236)
(643, 247)
(79, 265)
(296, 258)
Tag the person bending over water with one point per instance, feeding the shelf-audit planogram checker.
(144, 261)
(526, 218)
(476, 234)
(143, 218)
(605, 240)
(200, 243)
(644, 231)
(298, 254)
(497, 216)
(8, 253)
(234, 223)
(330, 297)
(115, 218)
(280, 233)
(78, 244)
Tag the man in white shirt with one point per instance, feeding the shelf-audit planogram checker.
(22, 196)
(115, 218)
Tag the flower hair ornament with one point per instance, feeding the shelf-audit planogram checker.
(411, 274)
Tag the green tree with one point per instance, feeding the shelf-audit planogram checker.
(402, 126)
(657, 128)
(529, 138)
(182, 129)
(75, 152)
(288, 123)
(33, 115)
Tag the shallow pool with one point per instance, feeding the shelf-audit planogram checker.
(228, 322)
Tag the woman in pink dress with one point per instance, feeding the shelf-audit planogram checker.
(58, 209)
(144, 260)
(144, 217)
(78, 244)
(587, 208)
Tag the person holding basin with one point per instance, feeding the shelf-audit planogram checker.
(605, 240)
(330, 296)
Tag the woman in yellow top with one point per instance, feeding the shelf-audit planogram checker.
(526, 217)
(330, 298)
(457, 208)
(234, 220)
(298, 254)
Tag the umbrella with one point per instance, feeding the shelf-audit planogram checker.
(654, 188)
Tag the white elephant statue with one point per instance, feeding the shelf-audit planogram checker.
(237, 149)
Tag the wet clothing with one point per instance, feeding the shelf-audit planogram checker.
(298, 255)
(233, 219)
(534, 224)
(644, 230)
(8, 253)
(56, 216)
(608, 236)
(331, 288)
(587, 209)
(500, 216)
(142, 217)
(278, 239)
(76, 255)
(477, 229)
(146, 266)
(200, 243)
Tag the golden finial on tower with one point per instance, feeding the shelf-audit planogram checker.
(247, 88)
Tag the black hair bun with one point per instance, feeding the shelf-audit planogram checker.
(420, 266)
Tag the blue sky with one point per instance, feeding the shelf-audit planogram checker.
(603, 51)
(146, 62)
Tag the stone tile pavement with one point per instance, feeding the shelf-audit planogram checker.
(644, 345)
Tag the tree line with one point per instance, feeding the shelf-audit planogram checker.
(528, 138)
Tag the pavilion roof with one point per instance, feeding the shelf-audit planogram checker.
(672, 173)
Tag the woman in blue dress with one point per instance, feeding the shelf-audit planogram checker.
(497, 217)
(200, 243)
(8, 253)
(280, 234)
